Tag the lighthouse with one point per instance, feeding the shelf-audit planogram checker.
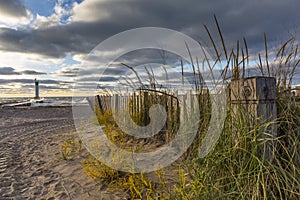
(36, 82)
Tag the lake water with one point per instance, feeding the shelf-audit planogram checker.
(47, 101)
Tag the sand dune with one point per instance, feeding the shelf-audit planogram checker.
(30, 163)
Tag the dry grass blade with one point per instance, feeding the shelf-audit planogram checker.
(151, 77)
(243, 60)
(246, 47)
(206, 59)
(237, 53)
(288, 58)
(192, 62)
(213, 43)
(260, 65)
(283, 46)
(201, 79)
(167, 76)
(293, 72)
(226, 68)
(266, 51)
(182, 75)
(158, 91)
(221, 36)
(128, 81)
(296, 51)
(235, 66)
(135, 72)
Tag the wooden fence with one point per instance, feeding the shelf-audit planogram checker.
(256, 95)
(139, 102)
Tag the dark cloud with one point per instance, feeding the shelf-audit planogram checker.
(11, 71)
(32, 72)
(8, 71)
(98, 79)
(13, 8)
(238, 18)
(112, 70)
(26, 81)
(67, 72)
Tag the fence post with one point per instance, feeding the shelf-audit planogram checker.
(182, 99)
(100, 104)
(256, 97)
(116, 102)
(145, 107)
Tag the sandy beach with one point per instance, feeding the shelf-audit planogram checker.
(31, 166)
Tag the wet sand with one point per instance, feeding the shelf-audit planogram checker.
(31, 166)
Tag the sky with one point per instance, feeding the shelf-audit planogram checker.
(50, 39)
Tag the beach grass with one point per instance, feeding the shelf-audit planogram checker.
(235, 169)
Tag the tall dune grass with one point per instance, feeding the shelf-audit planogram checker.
(235, 169)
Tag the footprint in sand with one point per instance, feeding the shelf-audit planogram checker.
(58, 187)
(50, 182)
(3, 164)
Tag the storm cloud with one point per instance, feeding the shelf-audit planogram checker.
(32, 72)
(24, 81)
(8, 71)
(13, 8)
(12, 71)
(53, 38)
(87, 28)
